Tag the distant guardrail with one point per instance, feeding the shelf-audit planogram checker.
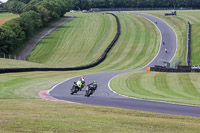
(95, 63)
(136, 9)
(179, 69)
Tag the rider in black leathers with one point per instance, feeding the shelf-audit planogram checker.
(92, 86)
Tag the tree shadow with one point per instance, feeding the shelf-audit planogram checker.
(63, 26)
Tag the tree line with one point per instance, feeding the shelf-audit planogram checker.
(2, 9)
(34, 14)
(87, 4)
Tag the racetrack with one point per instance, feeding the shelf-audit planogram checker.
(103, 96)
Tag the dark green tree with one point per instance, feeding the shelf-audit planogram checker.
(12, 36)
(30, 22)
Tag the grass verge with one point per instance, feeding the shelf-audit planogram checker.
(170, 87)
(46, 116)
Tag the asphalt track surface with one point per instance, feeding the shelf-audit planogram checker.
(104, 96)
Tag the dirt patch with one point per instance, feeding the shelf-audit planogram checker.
(3, 20)
(4, 122)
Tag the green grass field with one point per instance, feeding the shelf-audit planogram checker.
(21, 109)
(80, 41)
(11, 63)
(48, 116)
(170, 87)
(6, 17)
(137, 46)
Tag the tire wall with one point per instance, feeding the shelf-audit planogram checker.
(188, 50)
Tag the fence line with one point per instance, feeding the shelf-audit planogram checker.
(10, 56)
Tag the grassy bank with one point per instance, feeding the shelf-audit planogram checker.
(170, 87)
(137, 46)
(80, 41)
(46, 116)
(11, 63)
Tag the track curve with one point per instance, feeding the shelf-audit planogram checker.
(105, 97)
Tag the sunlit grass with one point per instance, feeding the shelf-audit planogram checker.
(77, 42)
(23, 115)
(12, 63)
(170, 87)
(137, 46)
(47, 116)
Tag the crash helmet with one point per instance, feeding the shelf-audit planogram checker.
(95, 83)
(82, 79)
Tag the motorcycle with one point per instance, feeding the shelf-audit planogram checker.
(83, 85)
(74, 89)
(89, 91)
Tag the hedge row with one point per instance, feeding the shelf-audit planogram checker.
(93, 64)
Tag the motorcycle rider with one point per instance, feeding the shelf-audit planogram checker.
(79, 84)
(82, 81)
(166, 50)
(92, 86)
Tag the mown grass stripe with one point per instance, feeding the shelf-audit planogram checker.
(188, 87)
(162, 83)
(155, 93)
(125, 47)
(132, 43)
(195, 44)
(149, 48)
(93, 33)
(172, 87)
(134, 51)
